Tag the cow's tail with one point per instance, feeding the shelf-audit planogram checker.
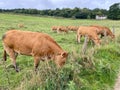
(4, 52)
(4, 55)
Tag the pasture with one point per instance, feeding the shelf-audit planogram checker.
(96, 70)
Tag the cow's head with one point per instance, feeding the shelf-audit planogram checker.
(60, 58)
(112, 36)
(97, 41)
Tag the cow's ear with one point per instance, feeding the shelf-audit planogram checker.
(64, 54)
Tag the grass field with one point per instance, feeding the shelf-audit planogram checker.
(97, 70)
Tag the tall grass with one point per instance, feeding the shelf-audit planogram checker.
(95, 71)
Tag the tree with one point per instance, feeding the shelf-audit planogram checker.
(114, 12)
(66, 12)
(81, 15)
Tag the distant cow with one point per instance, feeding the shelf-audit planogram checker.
(62, 29)
(73, 28)
(59, 29)
(102, 30)
(91, 32)
(54, 28)
(38, 45)
(21, 25)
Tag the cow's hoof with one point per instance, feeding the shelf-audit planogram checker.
(17, 70)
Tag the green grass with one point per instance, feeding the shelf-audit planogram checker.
(97, 70)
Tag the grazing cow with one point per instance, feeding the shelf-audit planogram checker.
(91, 32)
(102, 30)
(60, 29)
(38, 45)
(20, 25)
(73, 28)
(54, 28)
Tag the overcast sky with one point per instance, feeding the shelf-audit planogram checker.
(53, 4)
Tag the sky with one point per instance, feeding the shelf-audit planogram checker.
(53, 4)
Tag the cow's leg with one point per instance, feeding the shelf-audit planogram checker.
(91, 40)
(78, 38)
(4, 55)
(58, 30)
(13, 57)
(36, 62)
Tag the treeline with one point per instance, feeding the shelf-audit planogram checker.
(77, 13)
(84, 13)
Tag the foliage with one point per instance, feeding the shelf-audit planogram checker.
(114, 11)
(64, 12)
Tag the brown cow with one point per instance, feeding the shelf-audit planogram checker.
(59, 29)
(62, 29)
(38, 45)
(54, 28)
(21, 25)
(91, 32)
(73, 28)
(102, 30)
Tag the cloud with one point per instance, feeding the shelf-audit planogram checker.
(103, 4)
(39, 4)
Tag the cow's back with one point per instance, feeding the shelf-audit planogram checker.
(90, 31)
(87, 30)
(24, 42)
